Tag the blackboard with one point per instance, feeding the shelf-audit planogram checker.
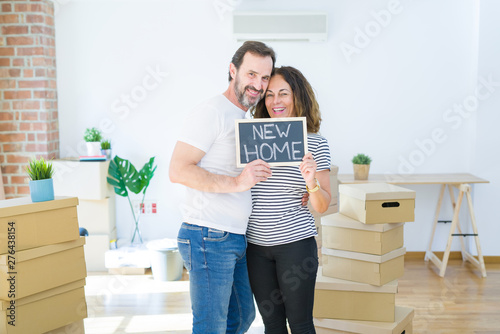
(277, 141)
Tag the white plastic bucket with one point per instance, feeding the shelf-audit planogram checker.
(166, 262)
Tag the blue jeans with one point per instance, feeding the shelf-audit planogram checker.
(221, 298)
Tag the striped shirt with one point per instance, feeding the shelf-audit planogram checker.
(278, 216)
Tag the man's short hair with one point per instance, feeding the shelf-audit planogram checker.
(255, 48)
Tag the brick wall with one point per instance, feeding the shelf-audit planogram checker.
(28, 96)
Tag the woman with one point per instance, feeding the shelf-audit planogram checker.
(282, 255)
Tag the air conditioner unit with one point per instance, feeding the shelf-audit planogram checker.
(280, 26)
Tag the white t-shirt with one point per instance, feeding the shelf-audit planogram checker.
(210, 127)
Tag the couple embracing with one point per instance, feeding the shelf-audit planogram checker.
(246, 232)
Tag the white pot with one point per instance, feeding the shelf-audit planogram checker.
(93, 148)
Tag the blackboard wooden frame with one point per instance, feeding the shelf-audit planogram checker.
(295, 120)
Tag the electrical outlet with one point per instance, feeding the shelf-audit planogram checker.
(152, 207)
(135, 206)
(149, 207)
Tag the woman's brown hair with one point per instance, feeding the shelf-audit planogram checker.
(304, 99)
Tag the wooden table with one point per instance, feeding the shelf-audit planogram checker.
(462, 183)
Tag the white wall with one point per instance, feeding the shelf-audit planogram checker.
(485, 158)
(386, 101)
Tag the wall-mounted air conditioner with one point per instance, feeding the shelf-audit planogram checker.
(280, 26)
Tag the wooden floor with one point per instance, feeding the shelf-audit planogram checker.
(461, 302)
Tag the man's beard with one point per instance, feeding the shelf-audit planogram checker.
(243, 98)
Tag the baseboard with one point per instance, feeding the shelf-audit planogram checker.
(455, 255)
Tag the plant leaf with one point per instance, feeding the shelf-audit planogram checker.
(146, 173)
(122, 175)
(116, 176)
(39, 169)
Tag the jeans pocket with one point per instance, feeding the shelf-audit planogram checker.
(185, 251)
(216, 235)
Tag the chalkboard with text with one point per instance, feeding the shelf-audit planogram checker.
(277, 141)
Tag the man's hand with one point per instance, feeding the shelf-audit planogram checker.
(253, 173)
(305, 199)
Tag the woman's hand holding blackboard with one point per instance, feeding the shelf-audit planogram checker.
(253, 173)
(308, 170)
(318, 183)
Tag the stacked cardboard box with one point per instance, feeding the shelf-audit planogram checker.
(76, 327)
(402, 324)
(42, 266)
(96, 210)
(362, 258)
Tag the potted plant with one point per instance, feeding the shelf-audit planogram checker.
(93, 138)
(106, 148)
(361, 166)
(123, 176)
(41, 184)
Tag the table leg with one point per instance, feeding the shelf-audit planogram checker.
(454, 223)
(462, 242)
(480, 263)
(436, 218)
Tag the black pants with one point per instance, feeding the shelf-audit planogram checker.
(282, 279)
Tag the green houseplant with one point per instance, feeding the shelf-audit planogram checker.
(361, 165)
(124, 177)
(93, 137)
(41, 184)
(106, 148)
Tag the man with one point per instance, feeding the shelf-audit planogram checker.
(215, 211)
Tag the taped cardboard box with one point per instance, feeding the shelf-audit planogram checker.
(377, 203)
(32, 225)
(76, 327)
(340, 299)
(402, 324)
(97, 216)
(344, 233)
(85, 180)
(42, 268)
(317, 221)
(44, 311)
(363, 268)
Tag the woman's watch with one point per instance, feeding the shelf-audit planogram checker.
(313, 190)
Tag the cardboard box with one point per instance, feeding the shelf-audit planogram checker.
(37, 224)
(344, 233)
(402, 324)
(76, 327)
(376, 203)
(44, 311)
(85, 180)
(95, 250)
(340, 299)
(363, 268)
(41, 268)
(97, 216)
